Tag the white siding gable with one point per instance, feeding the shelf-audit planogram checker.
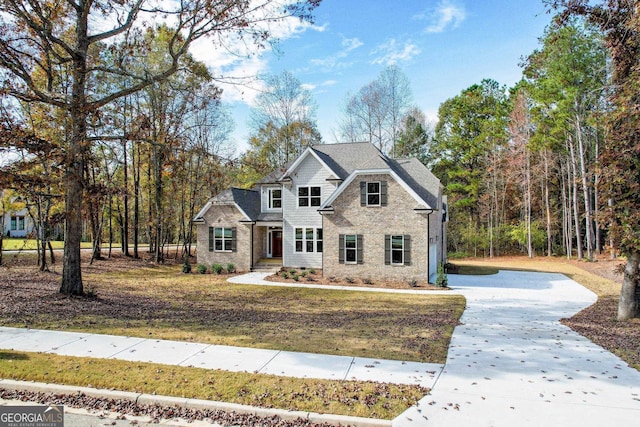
(309, 173)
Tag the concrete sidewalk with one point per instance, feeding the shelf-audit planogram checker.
(209, 356)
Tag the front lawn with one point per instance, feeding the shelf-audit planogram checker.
(139, 299)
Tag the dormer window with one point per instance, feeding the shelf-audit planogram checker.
(275, 198)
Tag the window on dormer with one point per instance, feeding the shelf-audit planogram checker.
(275, 198)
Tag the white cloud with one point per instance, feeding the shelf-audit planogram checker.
(392, 52)
(336, 61)
(445, 15)
(240, 63)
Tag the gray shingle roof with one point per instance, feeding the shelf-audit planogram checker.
(343, 159)
(247, 200)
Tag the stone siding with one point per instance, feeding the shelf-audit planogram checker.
(228, 217)
(373, 223)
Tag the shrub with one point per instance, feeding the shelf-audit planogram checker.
(217, 268)
(304, 273)
(186, 266)
(312, 271)
(231, 268)
(201, 268)
(285, 275)
(350, 280)
(441, 280)
(413, 283)
(367, 281)
(295, 277)
(292, 271)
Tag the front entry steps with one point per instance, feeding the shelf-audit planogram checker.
(271, 265)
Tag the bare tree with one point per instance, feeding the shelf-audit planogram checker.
(41, 38)
(376, 111)
(281, 108)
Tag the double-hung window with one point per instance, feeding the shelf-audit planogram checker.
(397, 249)
(309, 196)
(222, 239)
(350, 249)
(17, 223)
(275, 198)
(308, 239)
(373, 193)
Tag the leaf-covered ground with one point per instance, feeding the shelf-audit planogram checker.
(140, 299)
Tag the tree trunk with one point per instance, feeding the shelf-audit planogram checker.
(74, 165)
(71, 274)
(125, 225)
(136, 199)
(547, 204)
(585, 191)
(576, 205)
(629, 306)
(528, 201)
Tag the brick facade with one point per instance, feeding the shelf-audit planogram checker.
(225, 216)
(398, 217)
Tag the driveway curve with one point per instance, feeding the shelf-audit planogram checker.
(512, 363)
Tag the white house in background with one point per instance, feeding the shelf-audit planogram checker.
(18, 223)
(344, 208)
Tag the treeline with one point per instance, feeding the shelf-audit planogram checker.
(521, 165)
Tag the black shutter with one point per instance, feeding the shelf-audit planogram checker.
(233, 239)
(210, 239)
(341, 249)
(383, 193)
(387, 249)
(363, 193)
(407, 249)
(359, 249)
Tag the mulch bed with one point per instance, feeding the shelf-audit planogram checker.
(317, 278)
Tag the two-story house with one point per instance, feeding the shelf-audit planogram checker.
(344, 208)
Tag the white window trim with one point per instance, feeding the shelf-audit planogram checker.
(392, 250)
(222, 239)
(355, 249)
(304, 240)
(308, 196)
(379, 193)
(270, 198)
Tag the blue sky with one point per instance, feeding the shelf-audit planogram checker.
(442, 46)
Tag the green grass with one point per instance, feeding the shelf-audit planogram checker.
(362, 399)
(17, 244)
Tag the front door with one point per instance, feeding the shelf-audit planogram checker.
(276, 243)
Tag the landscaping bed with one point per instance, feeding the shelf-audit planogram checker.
(314, 276)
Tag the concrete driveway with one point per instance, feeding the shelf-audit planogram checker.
(511, 362)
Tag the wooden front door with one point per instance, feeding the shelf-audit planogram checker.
(276, 243)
